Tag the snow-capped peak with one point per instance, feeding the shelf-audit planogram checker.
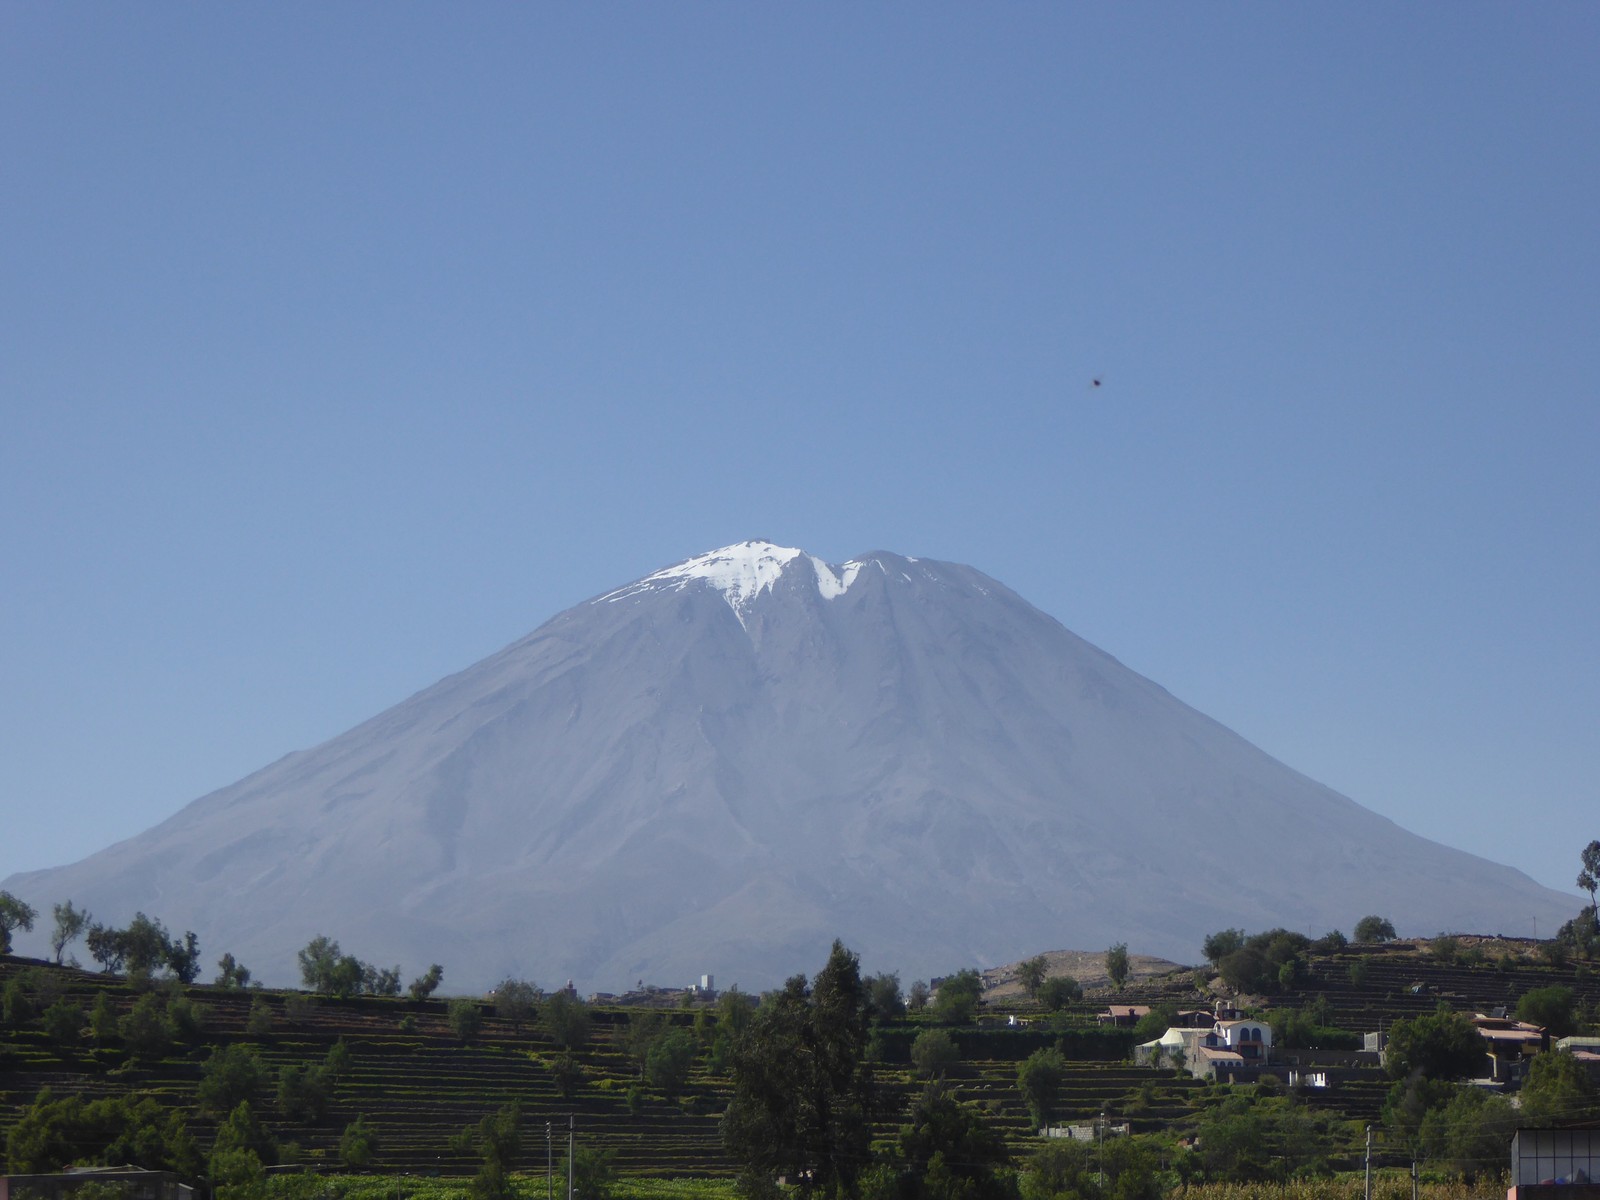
(741, 573)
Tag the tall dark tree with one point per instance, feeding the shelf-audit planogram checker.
(1589, 878)
(71, 923)
(1117, 965)
(14, 914)
(1031, 974)
(803, 1098)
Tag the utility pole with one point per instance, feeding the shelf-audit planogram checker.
(572, 1123)
(1367, 1190)
(1102, 1167)
(549, 1161)
(1414, 1185)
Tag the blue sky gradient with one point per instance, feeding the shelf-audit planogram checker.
(342, 345)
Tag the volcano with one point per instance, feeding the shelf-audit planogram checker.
(722, 766)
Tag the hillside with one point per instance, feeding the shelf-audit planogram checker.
(419, 1084)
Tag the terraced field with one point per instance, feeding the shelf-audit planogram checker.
(412, 1079)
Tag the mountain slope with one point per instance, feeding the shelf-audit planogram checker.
(722, 766)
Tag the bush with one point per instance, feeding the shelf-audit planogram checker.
(934, 1053)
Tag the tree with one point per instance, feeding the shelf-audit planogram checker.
(514, 1001)
(1441, 1045)
(465, 1018)
(427, 984)
(50, 1134)
(1038, 1078)
(244, 1133)
(667, 1065)
(567, 1020)
(933, 1053)
(144, 1029)
(1374, 929)
(358, 1144)
(883, 996)
(1557, 1086)
(231, 974)
(1589, 878)
(499, 1143)
(303, 1093)
(70, 926)
(1471, 1133)
(803, 1097)
(1117, 964)
(917, 996)
(63, 1023)
(958, 996)
(107, 946)
(1549, 1007)
(1219, 945)
(1059, 991)
(14, 915)
(1031, 974)
(950, 1153)
(146, 945)
(593, 1173)
(230, 1077)
(183, 958)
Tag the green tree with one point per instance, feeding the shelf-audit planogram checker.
(1589, 878)
(183, 958)
(1471, 1134)
(883, 996)
(304, 1093)
(358, 1145)
(514, 1001)
(802, 1094)
(102, 1019)
(107, 946)
(950, 1152)
(144, 1029)
(1440, 1045)
(594, 1173)
(1039, 1079)
(1219, 945)
(1117, 964)
(1059, 991)
(423, 987)
(70, 926)
(1557, 1087)
(671, 1056)
(957, 998)
(14, 915)
(1031, 974)
(146, 945)
(50, 1134)
(499, 1144)
(232, 974)
(567, 1020)
(465, 1018)
(259, 1022)
(230, 1077)
(1549, 1007)
(933, 1053)
(1374, 929)
(917, 996)
(63, 1023)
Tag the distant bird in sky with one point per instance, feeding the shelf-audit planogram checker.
(1096, 383)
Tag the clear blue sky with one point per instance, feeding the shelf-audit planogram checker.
(342, 345)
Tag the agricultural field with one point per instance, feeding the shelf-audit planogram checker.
(416, 1081)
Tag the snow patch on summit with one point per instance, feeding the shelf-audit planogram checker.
(740, 573)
